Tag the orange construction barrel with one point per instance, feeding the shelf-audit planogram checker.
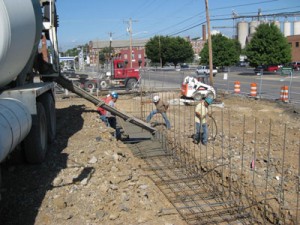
(253, 89)
(184, 89)
(284, 94)
(237, 87)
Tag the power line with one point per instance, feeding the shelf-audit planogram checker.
(248, 4)
(144, 5)
(272, 10)
(190, 27)
(199, 24)
(282, 14)
(129, 30)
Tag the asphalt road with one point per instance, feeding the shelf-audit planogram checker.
(268, 85)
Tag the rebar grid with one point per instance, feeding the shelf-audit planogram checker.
(244, 175)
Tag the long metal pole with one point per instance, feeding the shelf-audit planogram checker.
(209, 45)
(290, 88)
(260, 83)
(298, 186)
(64, 82)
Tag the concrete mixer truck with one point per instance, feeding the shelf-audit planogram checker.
(27, 101)
(29, 69)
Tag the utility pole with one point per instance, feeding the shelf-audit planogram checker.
(110, 55)
(160, 60)
(110, 41)
(129, 30)
(97, 58)
(259, 14)
(209, 45)
(130, 36)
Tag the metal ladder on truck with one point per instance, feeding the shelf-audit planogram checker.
(65, 83)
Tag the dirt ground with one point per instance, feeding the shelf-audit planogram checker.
(91, 178)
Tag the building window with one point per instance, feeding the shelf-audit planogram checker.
(139, 56)
(125, 56)
(297, 44)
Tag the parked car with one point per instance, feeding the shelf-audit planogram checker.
(272, 68)
(184, 66)
(258, 69)
(266, 68)
(242, 64)
(205, 70)
(296, 65)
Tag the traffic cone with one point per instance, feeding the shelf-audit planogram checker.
(253, 89)
(284, 94)
(237, 87)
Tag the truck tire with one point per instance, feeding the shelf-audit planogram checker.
(103, 84)
(35, 144)
(131, 83)
(90, 85)
(49, 106)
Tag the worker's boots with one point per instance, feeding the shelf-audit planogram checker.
(196, 138)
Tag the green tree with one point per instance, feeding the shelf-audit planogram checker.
(268, 46)
(179, 51)
(225, 51)
(169, 49)
(71, 52)
(105, 53)
(75, 51)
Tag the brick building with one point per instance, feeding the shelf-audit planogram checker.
(121, 48)
(197, 45)
(294, 41)
(139, 58)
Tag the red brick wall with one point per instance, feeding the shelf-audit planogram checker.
(293, 40)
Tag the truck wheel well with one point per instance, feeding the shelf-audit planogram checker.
(131, 83)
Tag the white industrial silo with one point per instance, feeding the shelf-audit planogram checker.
(253, 25)
(296, 27)
(287, 28)
(243, 31)
(277, 24)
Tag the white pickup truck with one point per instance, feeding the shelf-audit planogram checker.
(205, 70)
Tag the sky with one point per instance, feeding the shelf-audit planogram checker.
(81, 21)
